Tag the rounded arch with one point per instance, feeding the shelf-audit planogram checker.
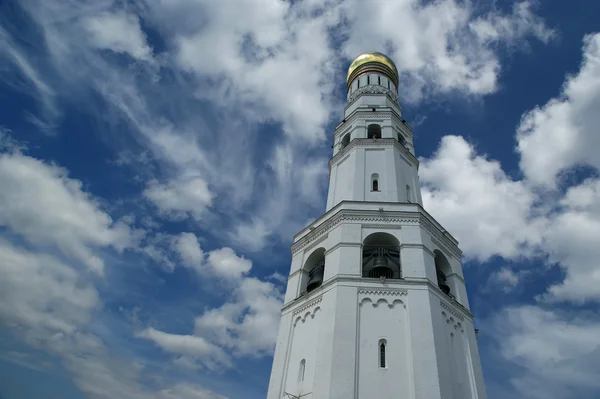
(381, 256)
(442, 271)
(374, 131)
(314, 270)
(345, 140)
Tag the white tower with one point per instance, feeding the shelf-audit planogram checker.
(376, 306)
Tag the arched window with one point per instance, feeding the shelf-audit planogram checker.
(442, 270)
(368, 79)
(379, 80)
(375, 182)
(301, 370)
(374, 131)
(408, 194)
(345, 141)
(382, 361)
(381, 256)
(313, 271)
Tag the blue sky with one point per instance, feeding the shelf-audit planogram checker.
(157, 157)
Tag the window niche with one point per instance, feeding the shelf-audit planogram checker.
(375, 182)
(302, 370)
(374, 131)
(382, 354)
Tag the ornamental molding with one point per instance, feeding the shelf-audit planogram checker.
(387, 142)
(308, 306)
(440, 240)
(452, 311)
(383, 291)
(372, 89)
(377, 221)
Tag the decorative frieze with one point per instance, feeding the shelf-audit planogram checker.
(308, 305)
(382, 291)
(452, 311)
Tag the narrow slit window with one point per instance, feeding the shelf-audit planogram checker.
(368, 80)
(382, 363)
(408, 194)
(379, 80)
(388, 84)
(301, 371)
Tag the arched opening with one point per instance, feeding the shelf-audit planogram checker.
(345, 140)
(401, 139)
(382, 361)
(375, 182)
(314, 270)
(381, 256)
(374, 131)
(442, 270)
(302, 369)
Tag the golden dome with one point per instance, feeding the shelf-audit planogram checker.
(372, 62)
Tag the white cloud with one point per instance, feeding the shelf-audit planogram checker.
(492, 214)
(472, 197)
(440, 46)
(41, 296)
(246, 324)
(506, 279)
(563, 132)
(43, 205)
(119, 32)
(572, 241)
(179, 199)
(225, 263)
(558, 354)
(186, 245)
(209, 354)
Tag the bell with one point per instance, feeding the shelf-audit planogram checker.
(315, 277)
(380, 261)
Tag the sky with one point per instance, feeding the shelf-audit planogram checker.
(157, 157)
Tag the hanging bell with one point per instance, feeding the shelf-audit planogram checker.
(316, 276)
(380, 261)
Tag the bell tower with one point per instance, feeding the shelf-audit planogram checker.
(376, 305)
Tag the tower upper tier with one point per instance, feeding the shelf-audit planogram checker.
(372, 62)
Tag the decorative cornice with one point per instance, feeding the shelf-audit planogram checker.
(440, 239)
(452, 311)
(386, 142)
(372, 89)
(382, 291)
(308, 305)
